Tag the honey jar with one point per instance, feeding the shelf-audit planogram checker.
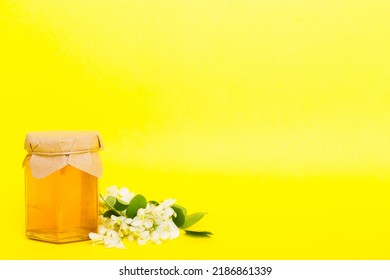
(61, 181)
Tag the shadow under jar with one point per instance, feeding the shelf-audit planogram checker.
(61, 181)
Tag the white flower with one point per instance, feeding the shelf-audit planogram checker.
(142, 219)
(168, 230)
(112, 239)
(108, 237)
(168, 202)
(123, 194)
(143, 238)
(155, 237)
(96, 238)
(163, 211)
(120, 224)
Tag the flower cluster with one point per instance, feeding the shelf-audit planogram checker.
(124, 215)
(152, 224)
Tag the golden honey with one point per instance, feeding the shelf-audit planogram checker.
(61, 206)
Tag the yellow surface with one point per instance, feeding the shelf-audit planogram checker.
(273, 116)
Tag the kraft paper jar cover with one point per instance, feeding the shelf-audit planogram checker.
(53, 150)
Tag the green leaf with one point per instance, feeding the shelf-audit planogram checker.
(110, 200)
(138, 201)
(193, 219)
(181, 207)
(180, 217)
(154, 202)
(199, 233)
(109, 213)
(115, 204)
(120, 205)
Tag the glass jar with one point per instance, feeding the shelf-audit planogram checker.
(61, 181)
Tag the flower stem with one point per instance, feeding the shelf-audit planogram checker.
(109, 206)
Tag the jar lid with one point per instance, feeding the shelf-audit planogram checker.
(52, 150)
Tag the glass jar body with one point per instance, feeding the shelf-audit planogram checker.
(61, 207)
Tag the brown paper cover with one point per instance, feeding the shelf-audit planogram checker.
(53, 150)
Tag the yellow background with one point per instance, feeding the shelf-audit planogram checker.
(273, 116)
